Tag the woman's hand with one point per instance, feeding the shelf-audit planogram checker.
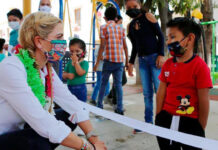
(93, 139)
(160, 61)
(130, 70)
(99, 145)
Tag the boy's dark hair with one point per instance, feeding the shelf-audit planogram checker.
(119, 17)
(110, 13)
(80, 42)
(187, 26)
(15, 12)
(2, 42)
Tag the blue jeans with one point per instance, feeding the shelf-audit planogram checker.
(97, 86)
(149, 77)
(80, 91)
(116, 69)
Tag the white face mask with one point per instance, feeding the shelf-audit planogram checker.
(15, 25)
(45, 9)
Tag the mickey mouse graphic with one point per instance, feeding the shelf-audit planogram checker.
(184, 107)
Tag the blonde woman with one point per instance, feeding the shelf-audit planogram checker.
(28, 87)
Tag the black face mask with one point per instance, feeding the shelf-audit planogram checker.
(133, 13)
(176, 49)
(80, 56)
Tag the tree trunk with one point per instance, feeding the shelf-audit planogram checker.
(163, 13)
(207, 10)
(188, 13)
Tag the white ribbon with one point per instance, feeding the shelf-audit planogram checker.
(184, 138)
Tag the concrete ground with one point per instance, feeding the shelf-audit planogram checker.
(119, 137)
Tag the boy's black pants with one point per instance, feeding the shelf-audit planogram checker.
(28, 139)
(186, 125)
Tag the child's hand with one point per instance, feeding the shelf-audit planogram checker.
(74, 58)
(130, 70)
(65, 75)
(95, 67)
(102, 57)
(70, 76)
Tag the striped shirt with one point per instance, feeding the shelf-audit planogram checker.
(114, 36)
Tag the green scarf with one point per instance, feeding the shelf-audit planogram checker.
(33, 76)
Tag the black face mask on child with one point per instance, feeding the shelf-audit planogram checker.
(81, 55)
(133, 13)
(176, 49)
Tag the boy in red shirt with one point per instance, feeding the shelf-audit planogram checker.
(183, 93)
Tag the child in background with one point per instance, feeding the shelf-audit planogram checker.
(76, 69)
(2, 42)
(15, 18)
(112, 94)
(183, 94)
(98, 83)
(113, 44)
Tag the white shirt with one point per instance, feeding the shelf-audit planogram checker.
(18, 103)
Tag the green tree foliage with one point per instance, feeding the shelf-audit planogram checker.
(184, 7)
(178, 6)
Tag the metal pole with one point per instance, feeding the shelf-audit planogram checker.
(61, 17)
(213, 51)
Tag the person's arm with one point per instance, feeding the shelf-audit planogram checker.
(160, 45)
(68, 102)
(203, 97)
(17, 93)
(69, 76)
(161, 94)
(203, 84)
(100, 53)
(66, 74)
(75, 62)
(86, 126)
(134, 51)
(126, 52)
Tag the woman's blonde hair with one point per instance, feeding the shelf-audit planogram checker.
(36, 24)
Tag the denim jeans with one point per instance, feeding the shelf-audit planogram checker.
(80, 91)
(116, 69)
(113, 90)
(149, 77)
(97, 86)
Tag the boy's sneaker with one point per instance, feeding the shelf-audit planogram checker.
(93, 102)
(115, 107)
(118, 112)
(135, 131)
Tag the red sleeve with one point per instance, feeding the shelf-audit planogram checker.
(162, 74)
(203, 77)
